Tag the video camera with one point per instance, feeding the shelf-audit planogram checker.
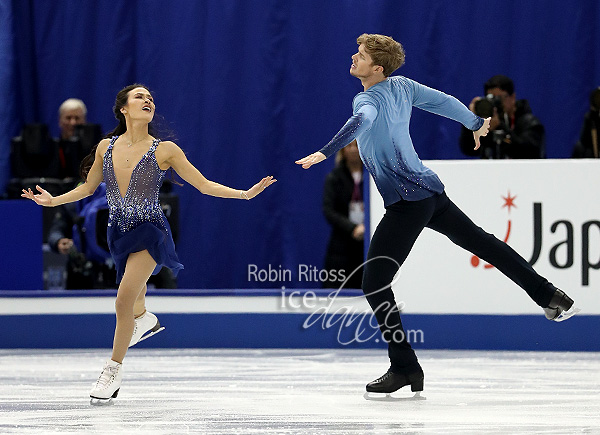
(484, 107)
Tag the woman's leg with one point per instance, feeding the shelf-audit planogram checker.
(454, 224)
(392, 241)
(139, 307)
(138, 269)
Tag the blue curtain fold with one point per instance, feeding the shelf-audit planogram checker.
(250, 86)
(9, 124)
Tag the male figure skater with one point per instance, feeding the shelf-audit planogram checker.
(414, 198)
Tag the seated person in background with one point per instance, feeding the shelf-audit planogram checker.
(587, 146)
(515, 133)
(344, 210)
(71, 113)
(36, 154)
(84, 271)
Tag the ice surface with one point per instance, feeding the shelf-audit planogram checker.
(298, 391)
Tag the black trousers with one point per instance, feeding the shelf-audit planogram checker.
(394, 238)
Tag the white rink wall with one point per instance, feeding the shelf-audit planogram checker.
(556, 212)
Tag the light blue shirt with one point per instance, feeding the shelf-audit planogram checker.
(380, 125)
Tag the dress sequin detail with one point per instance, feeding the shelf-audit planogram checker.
(141, 198)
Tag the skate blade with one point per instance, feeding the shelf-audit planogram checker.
(97, 401)
(94, 401)
(378, 397)
(150, 334)
(567, 314)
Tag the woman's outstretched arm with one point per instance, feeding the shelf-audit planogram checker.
(84, 190)
(176, 158)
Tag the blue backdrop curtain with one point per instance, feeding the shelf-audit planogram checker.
(8, 109)
(250, 86)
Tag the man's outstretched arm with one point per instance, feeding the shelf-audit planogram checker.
(358, 123)
(437, 102)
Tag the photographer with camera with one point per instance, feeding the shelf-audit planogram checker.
(515, 133)
(587, 146)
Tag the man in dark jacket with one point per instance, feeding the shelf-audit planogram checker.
(587, 146)
(515, 133)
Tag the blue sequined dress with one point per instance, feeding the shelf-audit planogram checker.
(137, 222)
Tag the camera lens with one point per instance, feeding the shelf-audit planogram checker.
(484, 108)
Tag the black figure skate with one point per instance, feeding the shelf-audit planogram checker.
(560, 307)
(390, 382)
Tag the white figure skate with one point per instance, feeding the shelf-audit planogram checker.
(108, 384)
(145, 326)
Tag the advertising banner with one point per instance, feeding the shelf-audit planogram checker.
(547, 210)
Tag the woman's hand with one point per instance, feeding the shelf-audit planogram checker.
(43, 198)
(258, 187)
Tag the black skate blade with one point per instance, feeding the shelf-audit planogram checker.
(150, 334)
(567, 314)
(387, 397)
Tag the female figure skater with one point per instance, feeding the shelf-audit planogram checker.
(133, 164)
(414, 198)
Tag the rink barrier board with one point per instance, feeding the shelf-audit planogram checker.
(274, 327)
(553, 226)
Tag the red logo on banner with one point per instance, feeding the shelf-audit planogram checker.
(509, 201)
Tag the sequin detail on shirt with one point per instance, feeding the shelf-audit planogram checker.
(140, 204)
(343, 137)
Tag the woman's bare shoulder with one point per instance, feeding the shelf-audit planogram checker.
(168, 145)
(168, 149)
(103, 146)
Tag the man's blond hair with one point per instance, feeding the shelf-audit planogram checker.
(384, 51)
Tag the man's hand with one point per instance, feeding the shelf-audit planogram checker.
(495, 122)
(313, 159)
(483, 131)
(472, 104)
(359, 232)
(64, 245)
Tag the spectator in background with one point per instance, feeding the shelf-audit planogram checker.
(87, 267)
(587, 146)
(71, 112)
(344, 210)
(60, 237)
(515, 133)
(83, 272)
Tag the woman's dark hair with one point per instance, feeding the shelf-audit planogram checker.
(120, 102)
